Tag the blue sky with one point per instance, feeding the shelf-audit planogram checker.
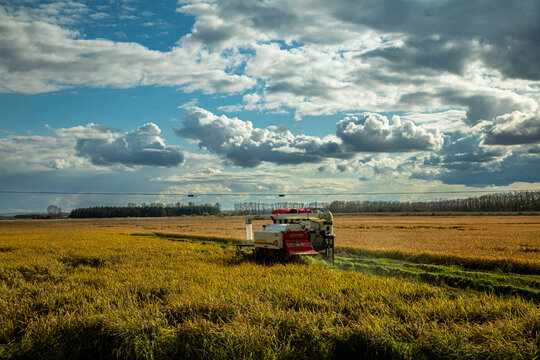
(266, 97)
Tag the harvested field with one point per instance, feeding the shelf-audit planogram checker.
(510, 237)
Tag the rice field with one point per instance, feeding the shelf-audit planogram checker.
(511, 238)
(111, 288)
(495, 237)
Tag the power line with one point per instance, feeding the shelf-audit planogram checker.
(260, 194)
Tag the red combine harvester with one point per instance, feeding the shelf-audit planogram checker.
(293, 232)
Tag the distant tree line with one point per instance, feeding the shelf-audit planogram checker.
(497, 202)
(53, 212)
(37, 216)
(144, 210)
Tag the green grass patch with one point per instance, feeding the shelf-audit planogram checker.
(496, 282)
(502, 265)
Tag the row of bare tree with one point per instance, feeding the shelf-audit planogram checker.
(496, 202)
(152, 210)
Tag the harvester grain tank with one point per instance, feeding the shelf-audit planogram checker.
(293, 232)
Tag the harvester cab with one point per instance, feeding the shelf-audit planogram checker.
(293, 232)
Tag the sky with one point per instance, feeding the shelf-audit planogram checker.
(267, 97)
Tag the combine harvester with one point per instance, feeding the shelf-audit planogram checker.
(293, 232)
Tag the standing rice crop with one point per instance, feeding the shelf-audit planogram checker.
(102, 292)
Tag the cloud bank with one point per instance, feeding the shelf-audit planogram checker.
(312, 57)
(470, 70)
(514, 129)
(244, 145)
(85, 147)
(39, 55)
(373, 133)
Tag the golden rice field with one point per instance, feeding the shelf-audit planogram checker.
(111, 289)
(513, 238)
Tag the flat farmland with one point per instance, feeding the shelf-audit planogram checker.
(513, 238)
(174, 288)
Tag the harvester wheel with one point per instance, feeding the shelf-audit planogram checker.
(275, 256)
(267, 256)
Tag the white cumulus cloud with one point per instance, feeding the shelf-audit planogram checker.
(244, 145)
(142, 146)
(514, 129)
(39, 56)
(374, 133)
